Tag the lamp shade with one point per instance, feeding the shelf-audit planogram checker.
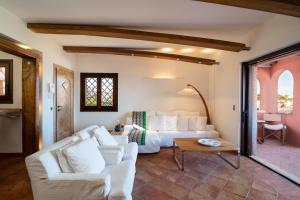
(187, 92)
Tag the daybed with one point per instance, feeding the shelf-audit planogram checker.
(163, 127)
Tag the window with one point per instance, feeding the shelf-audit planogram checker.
(99, 92)
(6, 81)
(285, 92)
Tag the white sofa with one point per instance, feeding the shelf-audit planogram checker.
(48, 181)
(158, 137)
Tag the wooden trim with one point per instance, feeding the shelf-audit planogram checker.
(129, 52)
(284, 7)
(104, 31)
(99, 108)
(55, 68)
(9, 82)
(10, 46)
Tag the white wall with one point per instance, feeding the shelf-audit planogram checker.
(12, 26)
(137, 90)
(276, 33)
(11, 129)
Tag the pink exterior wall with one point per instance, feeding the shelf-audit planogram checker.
(268, 78)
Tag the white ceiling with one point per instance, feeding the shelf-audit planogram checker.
(168, 14)
(174, 16)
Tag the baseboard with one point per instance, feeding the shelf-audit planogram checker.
(5, 155)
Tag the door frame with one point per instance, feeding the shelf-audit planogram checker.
(33, 117)
(246, 113)
(55, 68)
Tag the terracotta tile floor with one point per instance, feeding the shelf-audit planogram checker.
(285, 157)
(158, 178)
(207, 177)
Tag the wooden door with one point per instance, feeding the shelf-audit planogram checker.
(64, 102)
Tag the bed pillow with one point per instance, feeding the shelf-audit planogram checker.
(153, 123)
(104, 137)
(183, 123)
(197, 123)
(83, 135)
(169, 123)
(85, 157)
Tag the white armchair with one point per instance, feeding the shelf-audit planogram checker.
(73, 186)
(115, 182)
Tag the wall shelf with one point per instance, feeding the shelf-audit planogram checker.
(10, 112)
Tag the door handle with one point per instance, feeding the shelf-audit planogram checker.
(59, 108)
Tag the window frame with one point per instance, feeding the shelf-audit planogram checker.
(8, 97)
(99, 107)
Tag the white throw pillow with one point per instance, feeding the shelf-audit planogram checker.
(153, 123)
(183, 123)
(197, 123)
(83, 135)
(85, 157)
(94, 139)
(62, 159)
(169, 123)
(138, 127)
(104, 137)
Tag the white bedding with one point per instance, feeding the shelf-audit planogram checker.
(155, 140)
(152, 141)
(167, 137)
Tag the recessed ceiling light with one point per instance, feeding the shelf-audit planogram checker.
(23, 46)
(207, 50)
(178, 59)
(187, 50)
(167, 49)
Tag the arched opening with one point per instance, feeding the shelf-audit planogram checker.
(285, 92)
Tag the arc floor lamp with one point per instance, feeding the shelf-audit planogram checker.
(190, 89)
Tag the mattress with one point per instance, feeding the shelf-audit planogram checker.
(167, 137)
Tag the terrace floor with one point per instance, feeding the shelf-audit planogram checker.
(285, 157)
(158, 178)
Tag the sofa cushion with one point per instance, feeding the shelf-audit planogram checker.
(50, 163)
(153, 123)
(122, 179)
(169, 123)
(104, 137)
(83, 135)
(183, 123)
(197, 123)
(112, 157)
(130, 151)
(85, 157)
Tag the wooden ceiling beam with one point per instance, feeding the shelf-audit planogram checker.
(104, 31)
(129, 52)
(284, 7)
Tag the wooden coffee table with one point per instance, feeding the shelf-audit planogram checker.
(191, 144)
